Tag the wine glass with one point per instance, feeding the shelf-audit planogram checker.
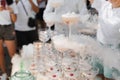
(83, 66)
(56, 3)
(43, 35)
(69, 68)
(53, 70)
(70, 19)
(70, 71)
(89, 74)
(55, 75)
(37, 47)
(49, 19)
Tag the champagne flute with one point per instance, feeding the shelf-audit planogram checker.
(43, 35)
(70, 71)
(54, 71)
(91, 73)
(49, 19)
(87, 72)
(56, 3)
(70, 19)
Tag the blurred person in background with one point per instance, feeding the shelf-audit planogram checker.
(8, 11)
(108, 33)
(24, 33)
(39, 15)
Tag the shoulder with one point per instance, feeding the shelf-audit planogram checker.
(13, 5)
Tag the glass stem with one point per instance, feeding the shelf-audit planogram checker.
(49, 33)
(70, 33)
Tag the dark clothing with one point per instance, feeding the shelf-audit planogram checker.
(26, 37)
(7, 32)
(88, 4)
(9, 2)
(91, 10)
(39, 15)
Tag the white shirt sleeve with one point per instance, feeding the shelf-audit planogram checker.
(14, 7)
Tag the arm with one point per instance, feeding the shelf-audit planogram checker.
(12, 15)
(34, 7)
(13, 11)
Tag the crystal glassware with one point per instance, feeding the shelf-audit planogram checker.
(22, 75)
(70, 68)
(91, 73)
(49, 19)
(56, 3)
(70, 19)
(43, 35)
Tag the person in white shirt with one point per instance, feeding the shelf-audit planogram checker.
(24, 33)
(108, 32)
(109, 20)
(7, 33)
(77, 6)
